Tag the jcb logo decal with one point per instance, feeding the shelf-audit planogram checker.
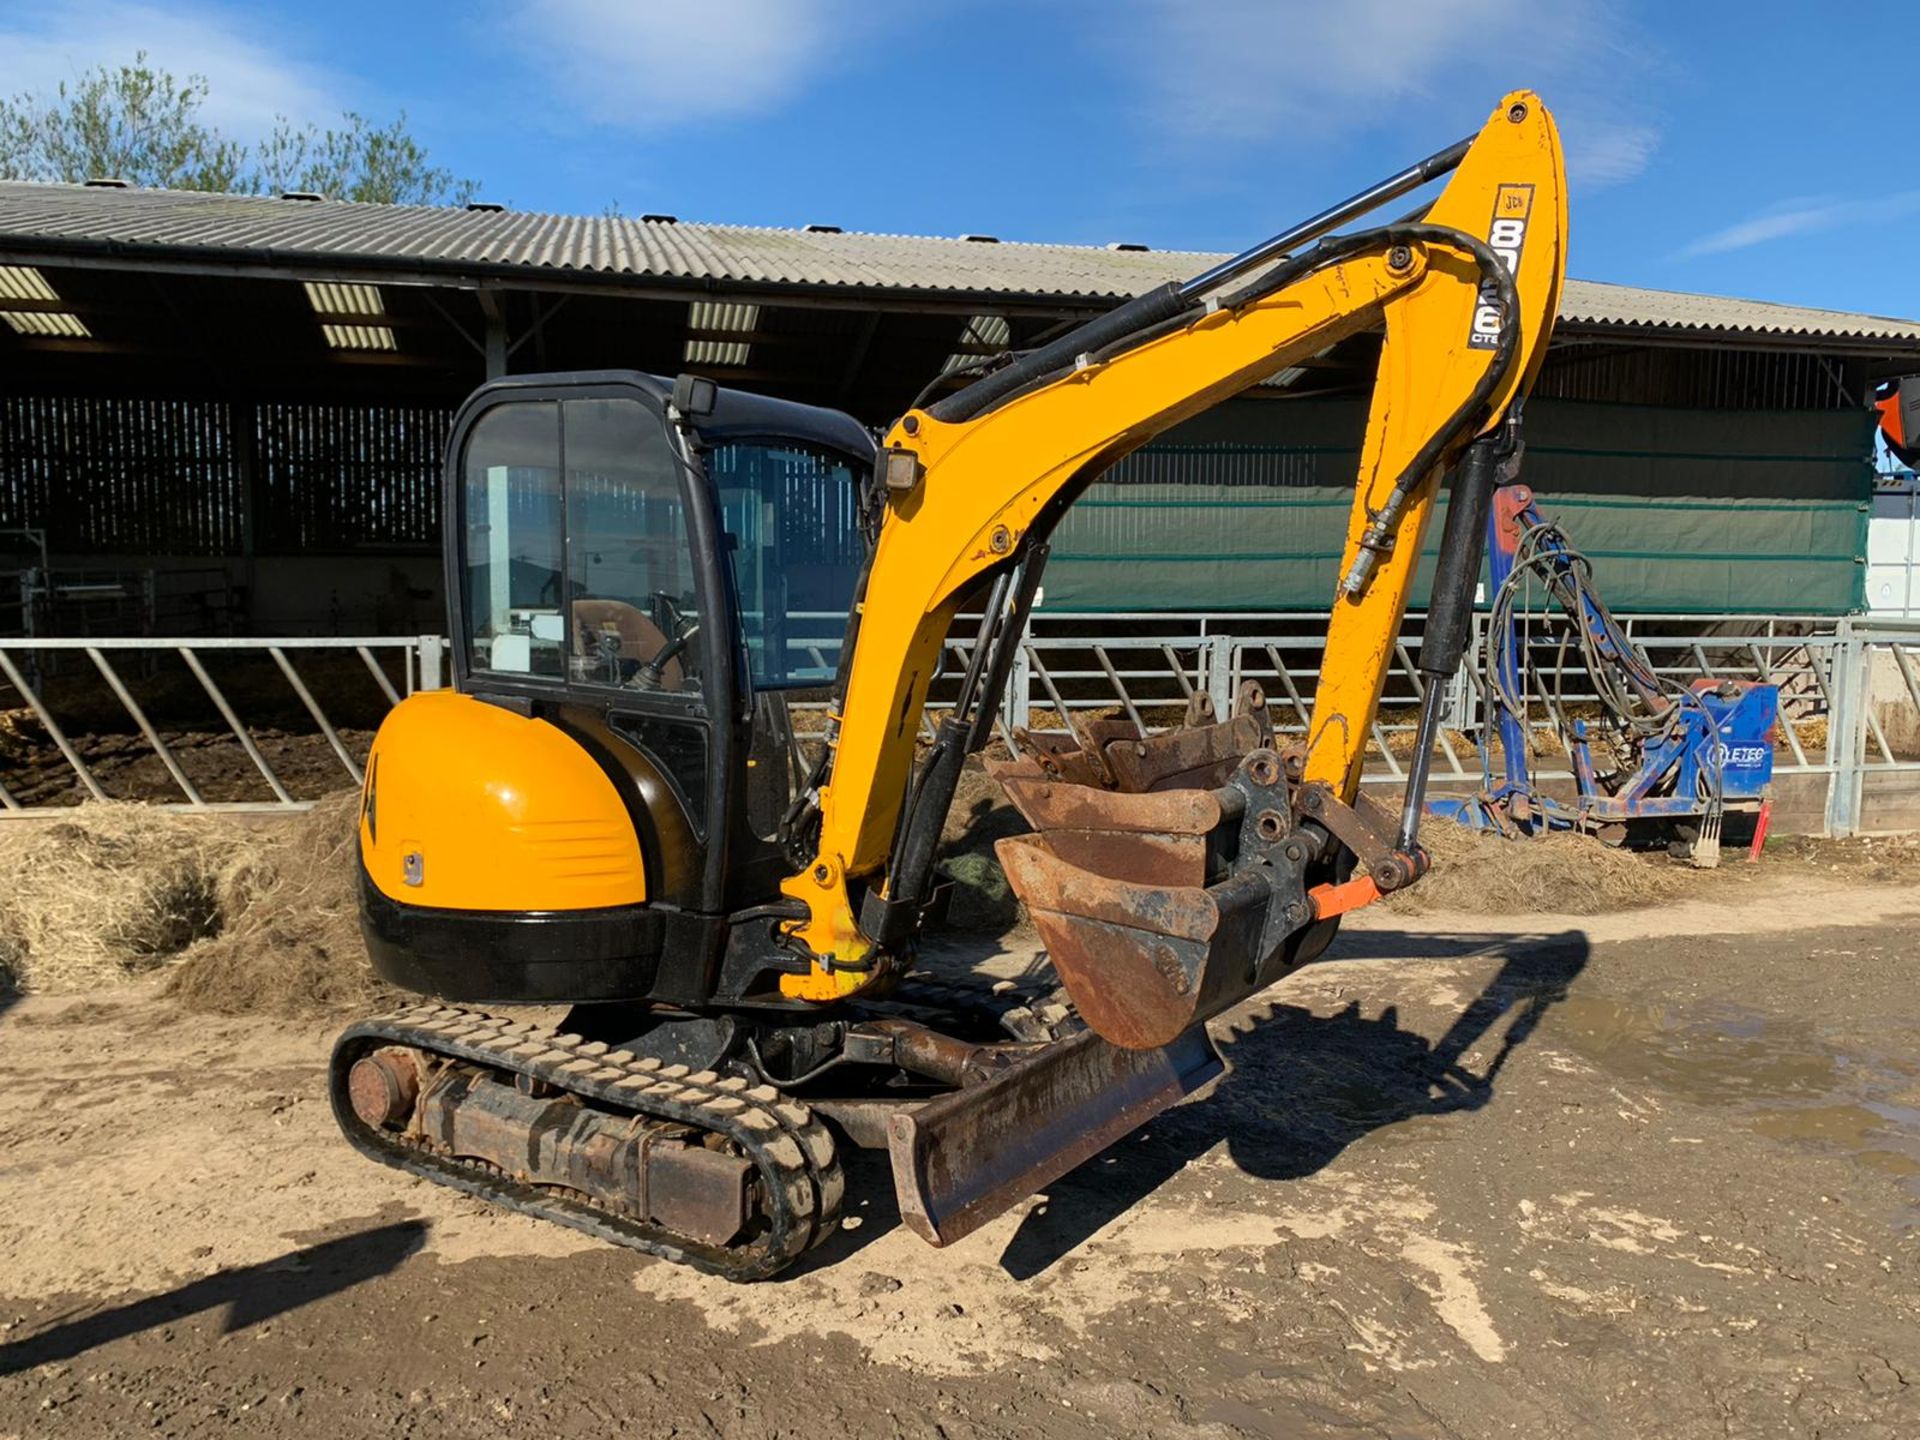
(1512, 207)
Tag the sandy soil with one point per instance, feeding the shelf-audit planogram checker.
(1648, 1174)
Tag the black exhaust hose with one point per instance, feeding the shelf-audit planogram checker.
(1450, 610)
(1098, 333)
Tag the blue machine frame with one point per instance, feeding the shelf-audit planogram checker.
(1697, 751)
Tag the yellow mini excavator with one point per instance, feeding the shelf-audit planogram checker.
(609, 809)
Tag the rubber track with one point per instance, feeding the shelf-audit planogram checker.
(801, 1182)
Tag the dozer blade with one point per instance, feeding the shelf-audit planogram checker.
(962, 1159)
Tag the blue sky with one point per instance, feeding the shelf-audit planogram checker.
(1736, 148)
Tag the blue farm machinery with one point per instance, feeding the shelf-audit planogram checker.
(1656, 760)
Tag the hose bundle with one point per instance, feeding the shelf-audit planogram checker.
(1643, 707)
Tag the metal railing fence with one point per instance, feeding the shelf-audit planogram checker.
(1850, 691)
(1849, 687)
(122, 667)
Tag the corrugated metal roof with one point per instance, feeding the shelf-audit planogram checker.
(1591, 302)
(59, 216)
(178, 219)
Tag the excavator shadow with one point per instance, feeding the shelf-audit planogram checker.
(250, 1294)
(1302, 1086)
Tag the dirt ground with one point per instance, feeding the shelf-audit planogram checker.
(126, 767)
(35, 772)
(1648, 1174)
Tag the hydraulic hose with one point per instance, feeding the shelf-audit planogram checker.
(1157, 313)
(1378, 538)
(1624, 681)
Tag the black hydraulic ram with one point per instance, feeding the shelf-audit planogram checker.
(889, 918)
(1443, 162)
(1450, 611)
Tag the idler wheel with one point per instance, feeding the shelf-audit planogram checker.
(382, 1088)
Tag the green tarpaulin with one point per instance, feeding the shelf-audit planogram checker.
(1680, 510)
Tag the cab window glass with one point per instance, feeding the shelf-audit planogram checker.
(792, 523)
(513, 541)
(635, 619)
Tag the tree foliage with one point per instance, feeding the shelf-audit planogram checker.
(358, 161)
(135, 123)
(140, 124)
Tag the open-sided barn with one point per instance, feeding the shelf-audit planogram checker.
(224, 410)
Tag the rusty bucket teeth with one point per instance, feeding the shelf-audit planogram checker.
(1144, 962)
(1113, 755)
(1171, 890)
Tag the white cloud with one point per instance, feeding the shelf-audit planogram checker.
(1761, 228)
(250, 81)
(1787, 218)
(656, 67)
(1599, 153)
(1251, 69)
(1238, 72)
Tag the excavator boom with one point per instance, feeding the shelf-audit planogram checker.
(1466, 293)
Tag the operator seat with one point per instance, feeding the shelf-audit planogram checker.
(640, 638)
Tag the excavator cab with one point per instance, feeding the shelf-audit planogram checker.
(640, 592)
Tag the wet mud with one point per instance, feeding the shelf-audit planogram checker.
(1634, 1176)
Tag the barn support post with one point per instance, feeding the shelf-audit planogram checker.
(241, 437)
(430, 653)
(1216, 667)
(1850, 705)
(1019, 697)
(496, 348)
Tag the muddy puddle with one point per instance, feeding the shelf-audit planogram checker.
(1713, 1054)
(1882, 1136)
(1777, 1077)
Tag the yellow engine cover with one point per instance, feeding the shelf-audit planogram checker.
(470, 807)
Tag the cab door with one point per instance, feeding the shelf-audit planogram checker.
(587, 591)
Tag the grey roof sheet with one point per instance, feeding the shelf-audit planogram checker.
(1592, 302)
(613, 246)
